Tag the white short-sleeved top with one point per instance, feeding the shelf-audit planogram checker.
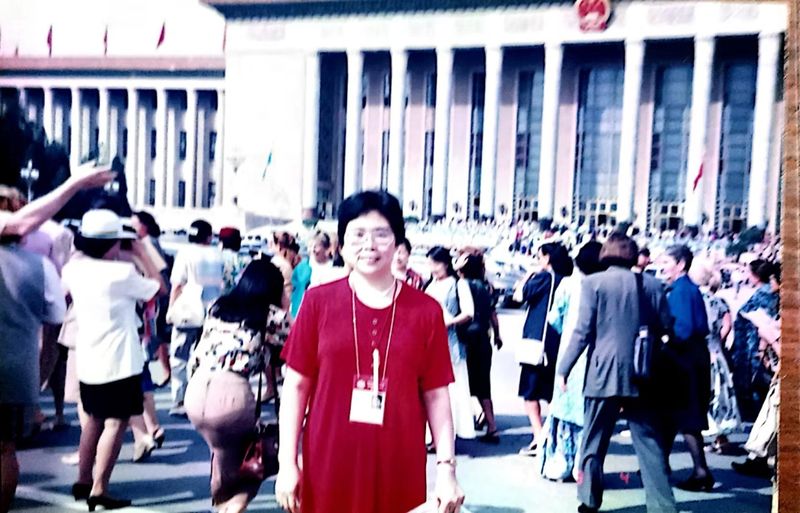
(203, 265)
(104, 295)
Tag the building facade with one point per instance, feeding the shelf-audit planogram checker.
(669, 114)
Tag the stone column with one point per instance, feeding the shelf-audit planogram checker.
(75, 128)
(311, 136)
(494, 69)
(48, 116)
(144, 164)
(352, 144)
(173, 170)
(441, 138)
(397, 110)
(103, 122)
(202, 152)
(698, 129)
(160, 165)
(219, 178)
(135, 192)
(631, 95)
(548, 155)
(195, 182)
(769, 47)
(59, 111)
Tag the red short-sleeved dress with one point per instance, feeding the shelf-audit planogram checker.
(355, 467)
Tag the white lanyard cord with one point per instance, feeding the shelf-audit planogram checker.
(391, 330)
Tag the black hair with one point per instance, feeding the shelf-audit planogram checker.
(232, 241)
(559, 258)
(588, 258)
(473, 268)
(644, 252)
(405, 243)
(442, 255)
(94, 248)
(324, 238)
(149, 222)
(763, 270)
(619, 250)
(365, 202)
(260, 285)
(682, 253)
(200, 232)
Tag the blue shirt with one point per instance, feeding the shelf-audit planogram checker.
(688, 310)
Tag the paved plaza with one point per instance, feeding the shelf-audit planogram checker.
(495, 478)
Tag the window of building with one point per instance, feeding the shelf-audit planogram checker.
(738, 105)
(125, 143)
(528, 143)
(670, 146)
(364, 89)
(151, 192)
(387, 89)
(181, 193)
(430, 89)
(212, 145)
(597, 144)
(153, 143)
(68, 142)
(95, 144)
(182, 145)
(211, 194)
(476, 144)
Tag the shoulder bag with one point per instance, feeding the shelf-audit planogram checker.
(188, 310)
(531, 351)
(643, 346)
(261, 455)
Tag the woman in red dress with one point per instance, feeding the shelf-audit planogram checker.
(368, 357)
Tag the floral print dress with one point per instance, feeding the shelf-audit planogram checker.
(723, 412)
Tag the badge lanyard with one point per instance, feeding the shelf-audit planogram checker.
(375, 352)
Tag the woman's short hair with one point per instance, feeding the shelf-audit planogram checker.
(588, 258)
(762, 269)
(323, 238)
(283, 240)
(473, 268)
(149, 222)
(94, 248)
(681, 253)
(559, 258)
(260, 285)
(365, 202)
(442, 255)
(619, 249)
(199, 232)
(405, 243)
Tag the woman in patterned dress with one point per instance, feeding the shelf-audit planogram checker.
(723, 412)
(234, 347)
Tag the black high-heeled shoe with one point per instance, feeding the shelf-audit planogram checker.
(81, 491)
(107, 502)
(159, 436)
(697, 484)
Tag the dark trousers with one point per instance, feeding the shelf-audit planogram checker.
(601, 415)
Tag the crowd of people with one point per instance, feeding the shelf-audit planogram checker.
(371, 363)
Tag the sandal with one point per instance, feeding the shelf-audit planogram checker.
(491, 437)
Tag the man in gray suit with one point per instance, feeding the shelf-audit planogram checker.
(608, 324)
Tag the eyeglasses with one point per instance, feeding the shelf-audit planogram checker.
(358, 236)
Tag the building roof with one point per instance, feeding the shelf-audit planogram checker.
(113, 66)
(239, 9)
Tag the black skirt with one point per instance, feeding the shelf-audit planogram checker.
(479, 366)
(116, 400)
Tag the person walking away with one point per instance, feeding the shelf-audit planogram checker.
(478, 344)
(560, 455)
(197, 280)
(686, 389)
(235, 346)
(285, 258)
(455, 298)
(31, 295)
(607, 326)
(536, 291)
(104, 291)
(363, 443)
(230, 241)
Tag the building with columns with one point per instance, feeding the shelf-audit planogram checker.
(667, 114)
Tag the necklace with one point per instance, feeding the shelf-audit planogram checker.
(375, 352)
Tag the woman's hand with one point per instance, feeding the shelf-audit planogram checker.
(287, 488)
(449, 495)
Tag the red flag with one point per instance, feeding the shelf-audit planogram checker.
(698, 177)
(162, 35)
(105, 42)
(50, 41)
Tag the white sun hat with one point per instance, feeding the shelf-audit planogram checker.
(104, 224)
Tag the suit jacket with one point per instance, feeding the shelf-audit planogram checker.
(608, 324)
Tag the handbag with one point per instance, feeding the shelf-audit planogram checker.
(188, 310)
(643, 346)
(468, 331)
(260, 459)
(531, 351)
